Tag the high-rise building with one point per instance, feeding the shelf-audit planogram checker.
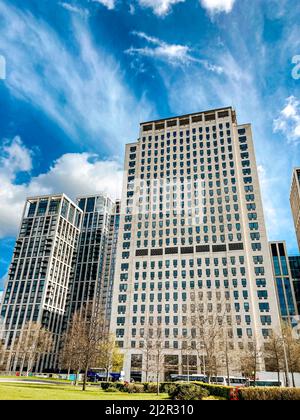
(94, 260)
(294, 262)
(110, 264)
(39, 276)
(192, 243)
(295, 202)
(283, 282)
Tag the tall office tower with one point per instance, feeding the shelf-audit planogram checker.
(283, 282)
(294, 262)
(39, 276)
(192, 244)
(110, 264)
(93, 265)
(295, 201)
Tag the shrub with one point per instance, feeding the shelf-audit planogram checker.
(135, 388)
(150, 388)
(269, 394)
(216, 390)
(111, 389)
(120, 386)
(106, 385)
(188, 392)
(166, 387)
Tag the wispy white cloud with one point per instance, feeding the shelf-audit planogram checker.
(110, 4)
(73, 174)
(132, 9)
(174, 54)
(218, 6)
(288, 122)
(82, 90)
(160, 7)
(242, 85)
(74, 9)
(163, 7)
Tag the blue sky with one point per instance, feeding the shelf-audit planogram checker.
(81, 75)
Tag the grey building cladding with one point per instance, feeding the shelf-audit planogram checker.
(63, 260)
(95, 255)
(37, 288)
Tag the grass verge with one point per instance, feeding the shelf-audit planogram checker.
(13, 391)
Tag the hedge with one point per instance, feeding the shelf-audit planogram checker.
(164, 387)
(217, 390)
(269, 394)
(188, 392)
(118, 385)
(135, 388)
(168, 388)
(246, 394)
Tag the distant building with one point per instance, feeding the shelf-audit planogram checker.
(95, 255)
(283, 281)
(295, 273)
(295, 202)
(63, 261)
(38, 281)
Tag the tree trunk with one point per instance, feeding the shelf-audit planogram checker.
(85, 379)
(77, 376)
(157, 376)
(293, 378)
(227, 367)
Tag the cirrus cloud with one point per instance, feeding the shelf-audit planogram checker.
(174, 54)
(81, 89)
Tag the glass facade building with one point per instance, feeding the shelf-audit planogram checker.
(95, 256)
(295, 273)
(63, 260)
(37, 288)
(283, 282)
(295, 201)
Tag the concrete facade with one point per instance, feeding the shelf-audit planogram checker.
(192, 245)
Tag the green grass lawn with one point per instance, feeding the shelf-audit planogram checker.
(35, 378)
(9, 391)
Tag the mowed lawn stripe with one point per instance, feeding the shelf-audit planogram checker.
(21, 391)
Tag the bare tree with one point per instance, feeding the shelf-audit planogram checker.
(250, 359)
(292, 348)
(70, 356)
(158, 352)
(227, 355)
(34, 342)
(147, 354)
(274, 354)
(153, 352)
(209, 328)
(2, 354)
(86, 340)
(2, 346)
(109, 356)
